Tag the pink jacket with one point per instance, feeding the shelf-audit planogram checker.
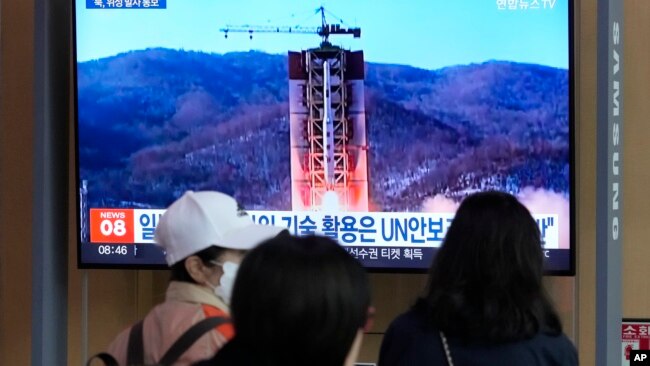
(185, 304)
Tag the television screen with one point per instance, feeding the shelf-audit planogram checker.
(365, 121)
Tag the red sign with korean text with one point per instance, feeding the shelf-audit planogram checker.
(635, 335)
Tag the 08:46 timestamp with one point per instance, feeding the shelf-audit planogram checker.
(112, 249)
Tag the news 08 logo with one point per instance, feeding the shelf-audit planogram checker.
(639, 357)
(111, 226)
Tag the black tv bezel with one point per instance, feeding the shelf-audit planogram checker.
(571, 271)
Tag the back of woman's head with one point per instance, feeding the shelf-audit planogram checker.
(485, 283)
(300, 301)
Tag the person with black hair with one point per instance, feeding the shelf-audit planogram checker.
(205, 236)
(297, 301)
(485, 303)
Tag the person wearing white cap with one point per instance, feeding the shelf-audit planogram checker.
(205, 236)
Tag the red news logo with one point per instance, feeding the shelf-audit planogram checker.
(112, 215)
(111, 225)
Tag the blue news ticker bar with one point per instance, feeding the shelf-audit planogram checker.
(126, 4)
(149, 254)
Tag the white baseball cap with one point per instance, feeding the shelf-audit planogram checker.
(199, 220)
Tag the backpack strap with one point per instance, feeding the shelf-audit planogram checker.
(135, 350)
(188, 338)
(106, 358)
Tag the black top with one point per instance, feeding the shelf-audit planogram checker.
(410, 341)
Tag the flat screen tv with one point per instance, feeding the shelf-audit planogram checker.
(365, 121)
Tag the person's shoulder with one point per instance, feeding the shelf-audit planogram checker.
(233, 353)
(558, 347)
(410, 326)
(558, 340)
(117, 348)
(204, 363)
(411, 321)
(409, 338)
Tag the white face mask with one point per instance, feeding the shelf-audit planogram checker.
(227, 281)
